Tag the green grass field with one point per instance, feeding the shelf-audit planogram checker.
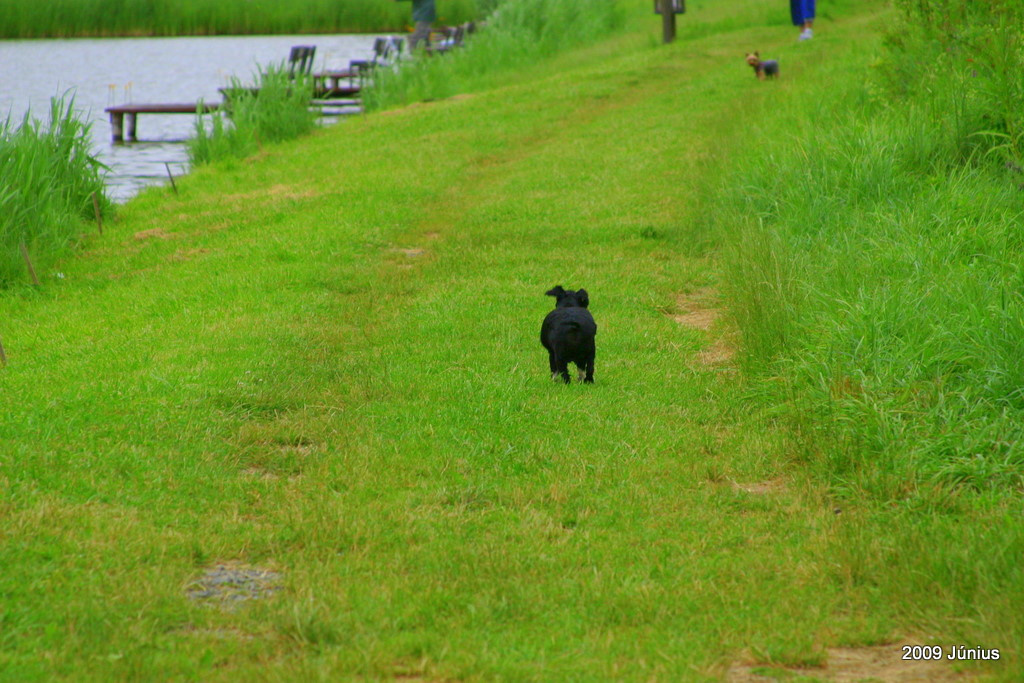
(323, 362)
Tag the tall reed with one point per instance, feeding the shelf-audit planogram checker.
(79, 18)
(967, 58)
(875, 266)
(518, 33)
(48, 179)
(276, 109)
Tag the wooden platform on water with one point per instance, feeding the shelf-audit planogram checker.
(327, 84)
(132, 111)
(322, 89)
(337, 91)
(330, 92)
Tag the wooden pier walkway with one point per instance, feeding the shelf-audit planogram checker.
(132, 111)
(325, 86)
(330, 91)
(330, 83)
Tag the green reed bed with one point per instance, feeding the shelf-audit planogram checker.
(874, 264)
(965, 59)
(881, 272)
(48, 179)
(888, 296)
(80, 18)
(518, 34)
(276, 109)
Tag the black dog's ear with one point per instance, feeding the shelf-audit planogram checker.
(583, 298)
(557, 291)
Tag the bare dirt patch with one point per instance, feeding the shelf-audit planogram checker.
(760, 488)
(260, 473)
(292, 191)
(154, 233)
(187, 254)
(849, 664)
(719, 353)
(697, 310)
(266, 195)
(412, 106)
(702, 320)
(408, 254)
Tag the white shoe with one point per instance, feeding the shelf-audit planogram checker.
(807, 34)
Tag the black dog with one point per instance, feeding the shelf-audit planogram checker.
(568, 333)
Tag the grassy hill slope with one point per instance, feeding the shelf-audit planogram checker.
(323, 364)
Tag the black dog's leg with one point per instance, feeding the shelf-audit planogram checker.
(553, 364)
(563, 370)
(589, 379)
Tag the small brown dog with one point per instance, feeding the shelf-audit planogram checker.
(768, 68)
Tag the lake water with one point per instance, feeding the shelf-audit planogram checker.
(103, 72)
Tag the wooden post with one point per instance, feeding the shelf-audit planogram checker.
(117, 125)
(132, 126)
(28, 262)
(169, 175)
(668, 21)
(96, 209)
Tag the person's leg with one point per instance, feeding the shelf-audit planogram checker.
(808, 12)
(796, 11)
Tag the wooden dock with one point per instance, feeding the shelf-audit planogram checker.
(331, 89)
(325, 86)
(337, 90)
(132, 111)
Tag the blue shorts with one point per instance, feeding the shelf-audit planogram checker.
(802, 10)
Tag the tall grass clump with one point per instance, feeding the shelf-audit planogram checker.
(276, 109)
(964, 58)
(81, 18)
(48, 178)
(875, 267)
(519, 33)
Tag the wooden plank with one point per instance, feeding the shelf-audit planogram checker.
(337, 113)
(335, 75)
(336, 103)
(338, 91)
(319, 92)
(132, 111)
(161, 108)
